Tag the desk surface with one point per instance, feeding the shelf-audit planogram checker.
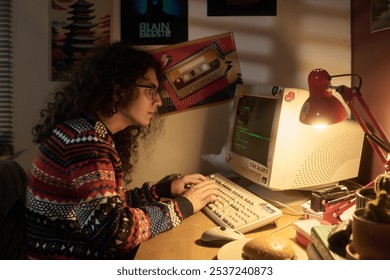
(183, 242)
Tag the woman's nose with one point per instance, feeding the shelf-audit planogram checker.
(158, 100)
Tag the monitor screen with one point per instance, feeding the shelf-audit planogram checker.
(269, 146)
(250, 139)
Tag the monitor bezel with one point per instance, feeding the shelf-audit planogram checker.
(245, 166)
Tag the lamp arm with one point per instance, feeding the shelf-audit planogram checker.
(378, 143)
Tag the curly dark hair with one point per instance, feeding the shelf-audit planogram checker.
(89, 89)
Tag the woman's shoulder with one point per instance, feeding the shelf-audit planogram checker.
(83, 130)
(79, 140)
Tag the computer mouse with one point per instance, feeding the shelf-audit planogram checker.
(221, 235)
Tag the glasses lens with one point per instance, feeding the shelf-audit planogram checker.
(157, 93)
(154, 93)
(150, 91)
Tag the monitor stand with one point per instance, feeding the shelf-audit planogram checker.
(280, 198)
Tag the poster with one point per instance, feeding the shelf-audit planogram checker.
(380, 15)
(77, 26)
(154, 22)
(199, 72)
(241, 7)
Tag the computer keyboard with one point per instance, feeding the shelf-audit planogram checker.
(238, 208)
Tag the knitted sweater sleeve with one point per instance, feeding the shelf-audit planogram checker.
(117, 220)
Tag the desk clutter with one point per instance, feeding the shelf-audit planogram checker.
(356, 227)
(323, 242)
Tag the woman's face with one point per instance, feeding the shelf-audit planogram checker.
(140, 111)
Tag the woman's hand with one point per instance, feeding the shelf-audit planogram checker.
(201, 194)
(181, 184)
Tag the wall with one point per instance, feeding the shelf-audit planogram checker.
(371, 60)
(281, 50)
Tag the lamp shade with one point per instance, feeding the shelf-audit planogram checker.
(321, 108)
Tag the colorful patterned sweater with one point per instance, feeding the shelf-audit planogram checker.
(77, 206)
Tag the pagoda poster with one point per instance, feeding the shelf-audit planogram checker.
(154, 22)
(77, 26)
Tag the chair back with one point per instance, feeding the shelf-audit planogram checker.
(13, 181)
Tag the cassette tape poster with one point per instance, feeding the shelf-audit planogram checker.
(154, 22)
(199, 72)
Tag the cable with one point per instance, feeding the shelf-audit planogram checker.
(294, 212)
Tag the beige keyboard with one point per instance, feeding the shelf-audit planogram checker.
(238, 208)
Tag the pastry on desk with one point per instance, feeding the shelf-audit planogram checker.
(265, 247)
(268, 247)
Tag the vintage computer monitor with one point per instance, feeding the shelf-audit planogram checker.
(269, 146)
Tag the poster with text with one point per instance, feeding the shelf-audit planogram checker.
(154, 22)
(76, 28)
(199, 72)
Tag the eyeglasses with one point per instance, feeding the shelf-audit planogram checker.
(151, 91)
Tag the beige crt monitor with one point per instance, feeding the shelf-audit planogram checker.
(269, 146)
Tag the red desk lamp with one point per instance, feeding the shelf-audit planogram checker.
(322, 108)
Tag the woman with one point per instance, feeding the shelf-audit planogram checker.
(77, 206)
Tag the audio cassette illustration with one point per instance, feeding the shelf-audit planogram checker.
(196, 72)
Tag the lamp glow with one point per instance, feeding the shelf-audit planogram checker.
(321, 108)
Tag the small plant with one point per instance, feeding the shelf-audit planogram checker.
(378, 210)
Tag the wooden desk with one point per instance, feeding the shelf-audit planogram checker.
(183, 242)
